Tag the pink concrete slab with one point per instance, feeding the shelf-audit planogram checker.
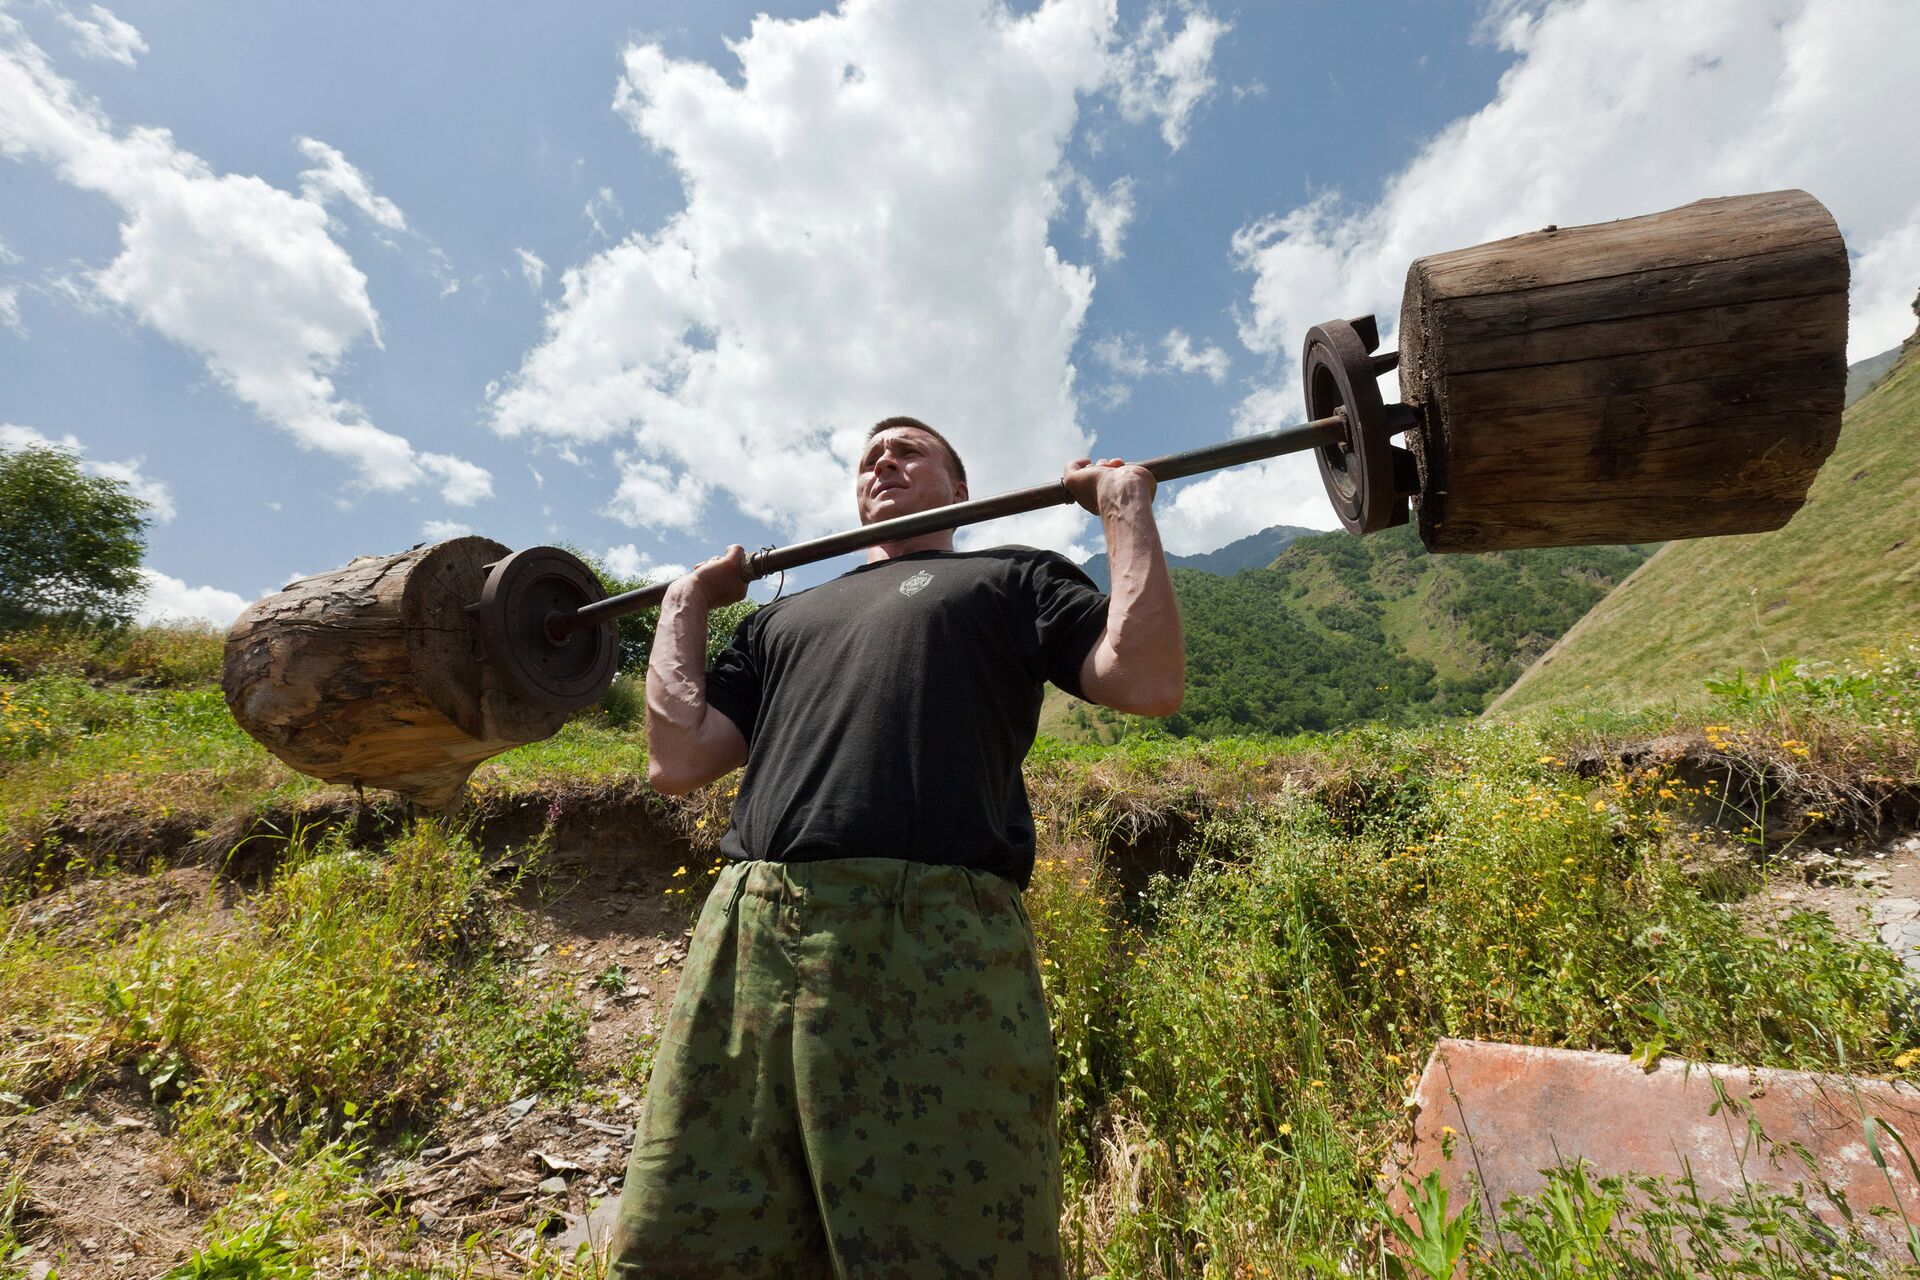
(1519, 1110)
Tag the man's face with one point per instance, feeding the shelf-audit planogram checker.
(901, 472)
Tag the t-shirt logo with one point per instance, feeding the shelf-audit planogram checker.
(916, 584)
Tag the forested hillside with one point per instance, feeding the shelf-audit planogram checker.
(1341, 630)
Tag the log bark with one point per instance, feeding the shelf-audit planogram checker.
(1679, 375)
(373, 675)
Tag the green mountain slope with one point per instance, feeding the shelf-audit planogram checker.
(1342, 630)
(1843, 575)
(1254, 551)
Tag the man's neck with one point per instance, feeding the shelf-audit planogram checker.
(939, 540)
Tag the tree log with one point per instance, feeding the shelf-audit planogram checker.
(373, 675)
(1678, 375)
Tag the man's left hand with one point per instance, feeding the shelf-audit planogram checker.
(1100, 485)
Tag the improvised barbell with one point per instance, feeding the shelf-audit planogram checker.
(1676, 375)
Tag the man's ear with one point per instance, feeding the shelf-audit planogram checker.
(960, 491)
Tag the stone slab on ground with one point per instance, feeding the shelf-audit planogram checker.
(594, 1229)
(1516, 1110)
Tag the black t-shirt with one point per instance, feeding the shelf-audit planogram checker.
(887, 712)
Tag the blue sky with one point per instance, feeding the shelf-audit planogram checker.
(324, 281)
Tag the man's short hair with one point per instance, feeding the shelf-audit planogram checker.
(954, 465)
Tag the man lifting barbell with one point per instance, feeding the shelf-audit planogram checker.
(857, 1077)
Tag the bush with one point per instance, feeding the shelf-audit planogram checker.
(164, 656)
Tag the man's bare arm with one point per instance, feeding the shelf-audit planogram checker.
(1139, 664)
(689, 744)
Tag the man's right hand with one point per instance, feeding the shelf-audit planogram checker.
(721, 580)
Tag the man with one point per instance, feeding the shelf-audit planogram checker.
(857, 1077)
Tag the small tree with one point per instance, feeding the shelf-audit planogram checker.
(70, 543)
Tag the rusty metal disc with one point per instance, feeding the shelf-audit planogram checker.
(1367, 476)
(522, 592)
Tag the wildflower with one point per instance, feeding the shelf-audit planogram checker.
(680, 871)
(1907, 1059)
(1285, 1128)
(1448, 1131)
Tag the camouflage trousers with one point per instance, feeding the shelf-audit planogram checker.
(856, 1080)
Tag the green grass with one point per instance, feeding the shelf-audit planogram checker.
(1235, 1050)
(1235, 1044)
(121, 760)
(358, 983)
(1843, 575)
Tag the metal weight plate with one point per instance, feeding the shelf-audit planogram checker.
(1366, 480)
(521, 592)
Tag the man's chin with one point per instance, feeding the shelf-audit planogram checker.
(890, 508)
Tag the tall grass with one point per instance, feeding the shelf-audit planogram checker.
(1237, 1048)
(1236, 1042)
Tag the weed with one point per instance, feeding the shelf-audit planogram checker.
(258, 1252)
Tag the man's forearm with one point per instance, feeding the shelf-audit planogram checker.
(1139, 664)
(685, 748)
(677, 662)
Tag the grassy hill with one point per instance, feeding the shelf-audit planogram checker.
(1842, 575)
(1341, 630)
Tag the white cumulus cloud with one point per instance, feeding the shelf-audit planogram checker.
(1166, 74)
(104, 36)
(332, 178)
(630, 562)
(169, 599)
(865, 233)
(153, 494)
(441, 530)
(1128, 361)
(602, 207)
(239, 272)
(1122, 353)
(533, 268)
(1612, 108)
(1182, 356)
(1108, 213)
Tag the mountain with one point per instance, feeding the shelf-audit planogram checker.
(1861, 377)
(1255, 551)
(1341, 630)
(1843, 576)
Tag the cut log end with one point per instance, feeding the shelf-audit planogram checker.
(373, 675)
(1679, 375)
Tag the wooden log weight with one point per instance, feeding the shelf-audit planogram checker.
(1678, 375)
(374, 674)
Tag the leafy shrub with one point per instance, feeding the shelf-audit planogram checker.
(168, 656)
